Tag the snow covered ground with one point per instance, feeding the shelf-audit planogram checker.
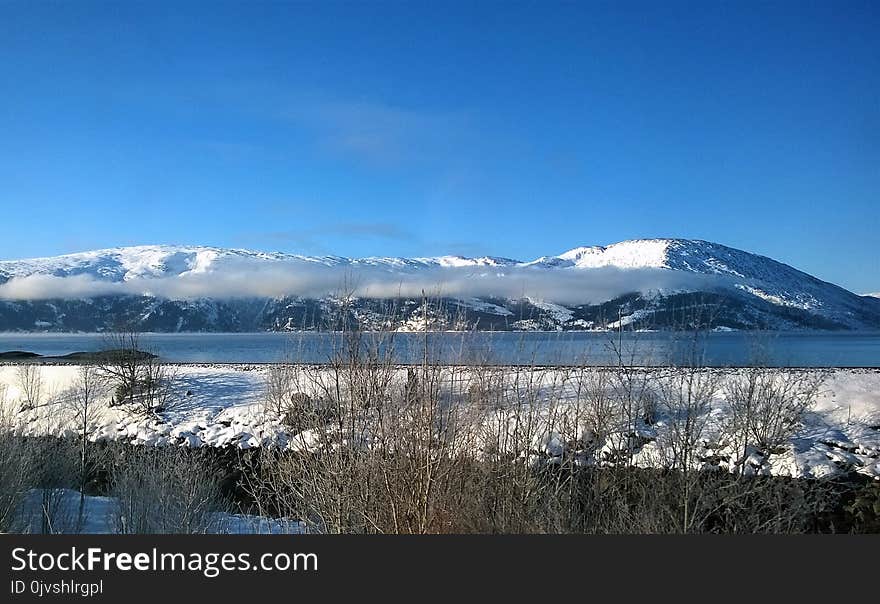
(100, 517)
(222, 406)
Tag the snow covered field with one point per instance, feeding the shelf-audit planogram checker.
(222, 406)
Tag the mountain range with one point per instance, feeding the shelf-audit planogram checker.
(648, 283)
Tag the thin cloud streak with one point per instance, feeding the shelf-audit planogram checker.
(309, 280)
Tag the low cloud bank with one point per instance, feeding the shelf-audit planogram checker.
(243, 280)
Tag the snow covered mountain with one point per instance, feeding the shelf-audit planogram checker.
(155, 261)
(656, 283)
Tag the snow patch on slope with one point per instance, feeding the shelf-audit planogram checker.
(651, 253)
(559, 313)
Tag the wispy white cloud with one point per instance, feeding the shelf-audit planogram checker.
(307, 279)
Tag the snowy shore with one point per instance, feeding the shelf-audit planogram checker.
(223, 406)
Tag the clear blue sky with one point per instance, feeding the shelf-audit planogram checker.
(420, 129)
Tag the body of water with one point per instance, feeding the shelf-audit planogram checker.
(791, 349)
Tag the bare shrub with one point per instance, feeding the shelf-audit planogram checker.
(597, 410)
(138, 378)
(684, 398)
(165, 490)
(378, 448)
(485, 387)
(370, 451)
(419, 458)
(36, 469)
(280, 382)
(284, 398)
(632, 385)
(157, 391)
(15, 467)
(51, 463)
(766, 408)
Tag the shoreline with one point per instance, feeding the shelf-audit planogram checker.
(245, 365)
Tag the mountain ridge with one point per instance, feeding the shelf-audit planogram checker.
(207, 287)
(639, 246)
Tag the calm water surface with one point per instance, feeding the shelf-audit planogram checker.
(799, 349)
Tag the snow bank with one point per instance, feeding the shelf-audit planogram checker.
(221, 406)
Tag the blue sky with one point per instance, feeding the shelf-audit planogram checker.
(513, 129)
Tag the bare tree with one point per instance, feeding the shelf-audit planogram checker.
(86, 412)
(30, 382)
(122, 363)
(139, 378)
